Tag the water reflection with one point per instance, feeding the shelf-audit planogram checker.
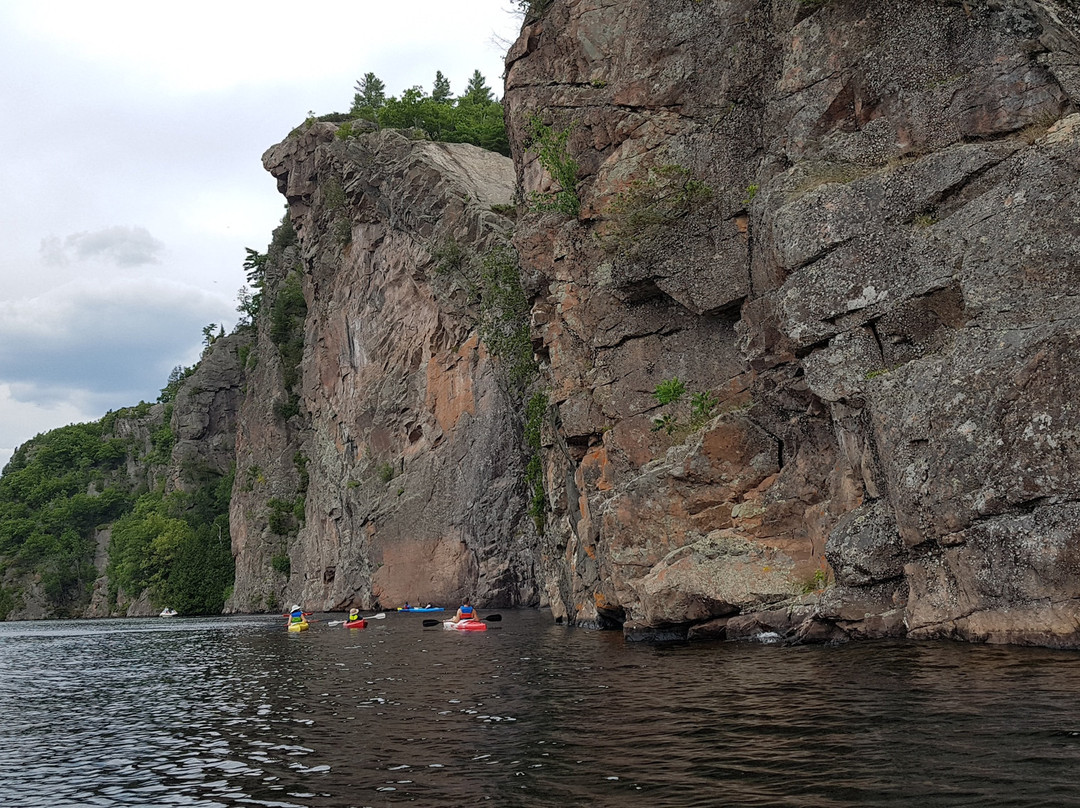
(231, 712)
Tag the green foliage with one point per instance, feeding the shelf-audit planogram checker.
(370, 95)
(474, 118)
(469, 120)
(440, 89)
(280, 562)
(342, 232)
(333, 194)
(452, 258)
(813, 583)
(300, 462)
(385, 471)
(255, 267)
(551, 148)
(504, 316)
(477, 92)
(534, 469)
(60, 487)
(702, 408)
(287, 333)
(286, 516)
(651, 203)
(48, 515)
(249, 300)
(175, 381)
(284, 237)
(667, 422)
(669, 391)
(177, 546)
(533, 9)
(494, 283)
(282, 517)
(162, 440)
(9, 602)
(534, 418)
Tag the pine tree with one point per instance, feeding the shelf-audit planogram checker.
(477, 92)
(440, 90)
(370, 94)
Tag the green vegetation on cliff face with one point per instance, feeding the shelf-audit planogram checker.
(287, 317)
(492, 283)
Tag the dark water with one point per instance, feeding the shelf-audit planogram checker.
(237, 712)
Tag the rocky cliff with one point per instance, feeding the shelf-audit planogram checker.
(847, 230)
(380, 458)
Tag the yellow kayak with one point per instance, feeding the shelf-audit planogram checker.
(298, 626)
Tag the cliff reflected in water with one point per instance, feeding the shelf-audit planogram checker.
(230, 712)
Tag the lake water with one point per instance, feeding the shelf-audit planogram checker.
(237, 712)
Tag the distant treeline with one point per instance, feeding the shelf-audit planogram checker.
(62, 486)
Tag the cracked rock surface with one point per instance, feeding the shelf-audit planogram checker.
(878, 291)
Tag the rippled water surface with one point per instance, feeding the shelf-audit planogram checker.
(237, 712)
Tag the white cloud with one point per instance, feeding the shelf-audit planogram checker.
(87, 340)
(121, 246)
(156, 116)
(20, 420)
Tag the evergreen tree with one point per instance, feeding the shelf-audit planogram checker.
(477, 92)
(440, 90)
(370, 94)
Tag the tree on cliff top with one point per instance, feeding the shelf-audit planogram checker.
(370, 94)
(440, 90)
(472, 118)
(477, 92)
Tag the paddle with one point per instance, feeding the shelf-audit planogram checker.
(491, 618)
(379, 616)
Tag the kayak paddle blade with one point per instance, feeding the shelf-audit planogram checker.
(430, 623)
(492, 618)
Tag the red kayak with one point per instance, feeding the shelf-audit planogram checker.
(361, 623)
(465, 625)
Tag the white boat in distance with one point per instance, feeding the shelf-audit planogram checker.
(167, 612)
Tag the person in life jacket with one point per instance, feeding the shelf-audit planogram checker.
(296, 614)
(354, 615)
(465, 612)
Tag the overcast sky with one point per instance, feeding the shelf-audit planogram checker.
(130, 163)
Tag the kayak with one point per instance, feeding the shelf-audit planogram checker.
(420, 609)
(465, 625)
(298, 626)
(361, 623)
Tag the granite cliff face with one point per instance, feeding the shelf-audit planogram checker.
(397, 474)
(854, 225)
(801, 283)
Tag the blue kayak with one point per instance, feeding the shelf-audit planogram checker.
(420, 609)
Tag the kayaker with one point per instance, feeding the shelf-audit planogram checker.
(354, 615)
(465, 612)
(296, 614)
(406, 607)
